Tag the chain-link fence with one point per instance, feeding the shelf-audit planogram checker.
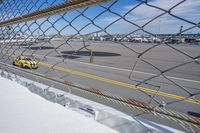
(143, 54)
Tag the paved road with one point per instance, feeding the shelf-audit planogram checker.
(111, 69)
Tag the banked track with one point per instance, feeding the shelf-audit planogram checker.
(133, 105)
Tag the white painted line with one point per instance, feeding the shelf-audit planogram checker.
(127, 70)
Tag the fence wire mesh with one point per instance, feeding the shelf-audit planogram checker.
(146, 51)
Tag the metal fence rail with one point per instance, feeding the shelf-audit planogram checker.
(157, 41)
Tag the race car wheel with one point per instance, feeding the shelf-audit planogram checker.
(21, 65)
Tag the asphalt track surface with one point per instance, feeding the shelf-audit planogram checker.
(110, 70)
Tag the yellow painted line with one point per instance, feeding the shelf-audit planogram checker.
(148, 90)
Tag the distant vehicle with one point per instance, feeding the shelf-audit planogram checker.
(25, 62)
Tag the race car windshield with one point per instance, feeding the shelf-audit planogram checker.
(27, 59)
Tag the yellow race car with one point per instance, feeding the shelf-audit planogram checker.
(25, 62)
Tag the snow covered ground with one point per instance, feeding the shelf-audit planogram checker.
(25, 112)
(38, 108)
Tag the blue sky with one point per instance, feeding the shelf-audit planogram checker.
(188, 10)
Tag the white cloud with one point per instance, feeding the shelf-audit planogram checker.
(188, 7)
(188, 10)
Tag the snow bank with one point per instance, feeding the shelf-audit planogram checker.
(60, 111)
(25, 112)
